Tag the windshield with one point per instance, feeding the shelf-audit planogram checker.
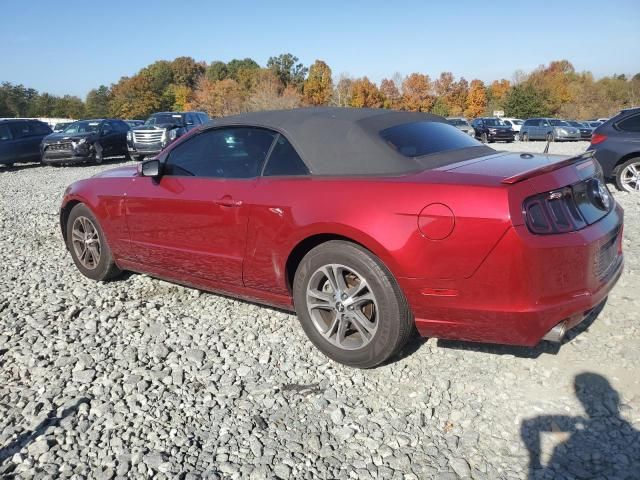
(576, 124)
(164, 118)
(558, 123)
(493, 122)
(83, 127)
(457, 122)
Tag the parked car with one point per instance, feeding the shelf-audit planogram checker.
(492, 129)
(60, 126)
(616, 144)
(461, 247)
(514, 123)
(159, 130)
(20, 140)
(134, 123)
(550, 129)
(86, 141)
(461, 124)
(585, 129)
(592, 123)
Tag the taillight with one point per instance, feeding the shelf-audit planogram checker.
(568, 209)
(553, 212)
(597, 138)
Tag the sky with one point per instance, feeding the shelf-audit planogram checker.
(70, 47)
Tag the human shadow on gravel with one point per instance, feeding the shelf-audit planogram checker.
(598, 445)
(526, 352)
(26, 438)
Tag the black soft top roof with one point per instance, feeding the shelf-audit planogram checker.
(346, 141)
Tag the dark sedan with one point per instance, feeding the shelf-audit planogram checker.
(20, 140)
(86, 141)
(492, 129)
(585, 130)
(616, 144)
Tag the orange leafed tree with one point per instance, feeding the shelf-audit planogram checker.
(365, 94)
(133, 98)
(318, 87)
(218, 98)
(417, 93)
(476, 100)
(457, 99)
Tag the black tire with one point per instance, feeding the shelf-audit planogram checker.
(622, 171)
(97, 156)
(484, 138)
(105, 268)
(524, 137)
(395, 323)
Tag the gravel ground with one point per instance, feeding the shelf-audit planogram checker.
(141, 378)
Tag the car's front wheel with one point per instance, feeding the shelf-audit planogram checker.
(484, 138)
(350, 305)
(88, 245)
(628, 175)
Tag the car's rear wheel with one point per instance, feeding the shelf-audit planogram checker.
(88, 246)
(628, 175)
(350, 305)
(524, 137)
(97, 156)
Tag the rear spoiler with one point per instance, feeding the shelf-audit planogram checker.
(584, 157)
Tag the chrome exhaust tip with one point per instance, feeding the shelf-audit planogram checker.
(556, 334)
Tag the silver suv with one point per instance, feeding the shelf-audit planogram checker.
(551, 129)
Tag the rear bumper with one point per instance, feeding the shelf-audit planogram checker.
(525, 286)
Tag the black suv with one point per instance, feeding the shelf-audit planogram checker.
(492, 129)
(160, 130)
(616, 144)
(86, 141)
(20, 140)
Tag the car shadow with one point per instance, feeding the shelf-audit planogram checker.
(21, 166)
(543, 347)
(600, 444)
(30, 436)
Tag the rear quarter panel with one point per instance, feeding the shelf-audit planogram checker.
(380, 214)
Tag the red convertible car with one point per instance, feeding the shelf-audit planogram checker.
(368, 223)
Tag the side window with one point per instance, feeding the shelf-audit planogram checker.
(507, 122)
(20, 129)
(40, 128)
(544, 123)
(107, 128)
(203, 117)
(5, 133)
(189, 120)
(237, 152)
(284, 160)
(631, 124)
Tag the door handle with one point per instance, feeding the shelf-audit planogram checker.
(227, 201)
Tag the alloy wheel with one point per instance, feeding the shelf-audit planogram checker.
(342, 306)
(86, 242)
(630, 177)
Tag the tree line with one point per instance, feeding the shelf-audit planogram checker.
(241, 85)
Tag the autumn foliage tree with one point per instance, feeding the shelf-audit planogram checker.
(218, 98)
(318, 87)
(417, 95)
(365, 94)
(476, 100)
(390, 92)
(133, 98)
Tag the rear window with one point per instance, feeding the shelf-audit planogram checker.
(425, 138)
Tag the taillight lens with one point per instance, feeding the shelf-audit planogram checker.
(568, 209)
(553, 212)
(597, 138)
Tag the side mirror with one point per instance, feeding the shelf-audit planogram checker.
(150, 168)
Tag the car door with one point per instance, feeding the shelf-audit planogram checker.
(191, 223)
(22, 140)
(108, 138)
(7, 150)
(543, 129)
